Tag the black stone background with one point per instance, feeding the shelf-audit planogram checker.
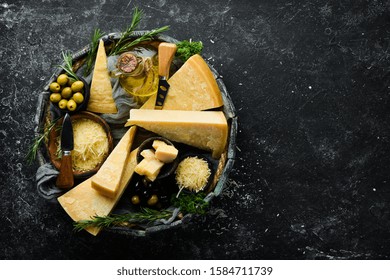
(310, 82)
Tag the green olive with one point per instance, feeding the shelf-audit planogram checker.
(55, 87)
(71, 105)
(62, 104)
(78, 97)
(77, 86)
(55, 97)
(135, 200)
(152, 200)
(66, 92)
(62, 79)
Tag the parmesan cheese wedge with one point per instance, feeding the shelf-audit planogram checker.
(207, 130)
(108, 179)
(101, 100)
(83, 202)
(192, 87)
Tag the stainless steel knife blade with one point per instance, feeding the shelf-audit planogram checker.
(67, 144)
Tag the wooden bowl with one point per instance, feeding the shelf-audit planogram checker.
(55, 132)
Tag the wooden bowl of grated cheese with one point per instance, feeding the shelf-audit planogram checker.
(92, 143)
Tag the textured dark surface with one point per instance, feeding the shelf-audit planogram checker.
(309, 80)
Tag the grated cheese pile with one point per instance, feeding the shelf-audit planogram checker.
(193, 173)
(90, 144)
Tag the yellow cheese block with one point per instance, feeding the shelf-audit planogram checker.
(207, 130)
(101, 100)
(192, 88)
(166, 153)
(150, 167)
(83, 202)
(107, 180)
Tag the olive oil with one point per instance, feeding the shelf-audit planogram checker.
(139, 77)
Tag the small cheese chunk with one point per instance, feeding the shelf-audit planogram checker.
(193, 87)
(101, 100)
(107, 180)
(148, 153)
(166, 153)
(83, 202)
(158, 143)
(150, 167)
(207, 130)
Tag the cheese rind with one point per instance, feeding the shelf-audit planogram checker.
(107, 180)
(193, 88)
(101, 100)
(207, 130)
(83, 202)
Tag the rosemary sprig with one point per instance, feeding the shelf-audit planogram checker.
(145, 215)
(136, 19)
(188, 203)
(91, 56)
(148, 36)
(32, 152)
(68, 66)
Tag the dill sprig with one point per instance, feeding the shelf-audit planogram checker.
(32, 152)
(145, 215)
(91, 56)
(68, 65)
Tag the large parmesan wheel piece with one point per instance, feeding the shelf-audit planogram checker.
(192, 88)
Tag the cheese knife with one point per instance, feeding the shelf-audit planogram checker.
(65, 178)
(166, 53)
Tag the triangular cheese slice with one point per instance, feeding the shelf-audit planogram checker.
(101, 100)
(108, 179)
(192, 87)
(207, 130)
(83, 202)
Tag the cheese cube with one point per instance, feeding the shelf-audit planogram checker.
(158, 143)
(166, 153)
(148, 153)
(150, 167)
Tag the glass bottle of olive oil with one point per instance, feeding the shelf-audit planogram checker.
(138, 75)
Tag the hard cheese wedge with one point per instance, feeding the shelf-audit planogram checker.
(192, 88)
(107, 180)
(101, 100)
(207, 130)
(83, 202)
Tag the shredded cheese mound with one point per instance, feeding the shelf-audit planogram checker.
(192, 173)
(90, 144)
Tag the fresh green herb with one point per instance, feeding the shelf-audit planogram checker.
(145, 215)
(191, 202)
(125, 42)
(32, 152)
(137, 16)
(188, 203)
(68, 66)
(148, 36)
(91, 56)
(186, 49)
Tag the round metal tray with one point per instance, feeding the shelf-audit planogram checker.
(228, 156)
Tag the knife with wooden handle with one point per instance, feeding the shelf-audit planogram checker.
(65, 179)
(166, 53)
